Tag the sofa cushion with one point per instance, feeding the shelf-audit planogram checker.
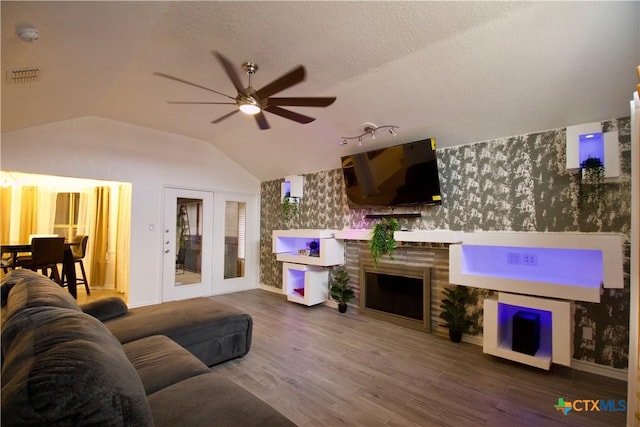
(24, 288)
(106, 308)
(63, 367)
(219, 402)
(161, 362)
(212, 331)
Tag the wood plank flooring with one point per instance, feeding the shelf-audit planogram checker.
(321, 368)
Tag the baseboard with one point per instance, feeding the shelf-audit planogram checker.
(604, 370)
(271, 289)
(472, 339)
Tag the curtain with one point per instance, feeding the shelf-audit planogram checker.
(122, 239)
(100, 237)
(5, 214)
(86, 225)
(45, 210)
(28, 214)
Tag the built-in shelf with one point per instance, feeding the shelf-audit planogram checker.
(296, 246)
(305, 284)
(306, 254)
(571, 266)
(555, 329)
(292, 187)
(426, 236)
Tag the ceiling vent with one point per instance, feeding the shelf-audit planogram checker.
(23, 75)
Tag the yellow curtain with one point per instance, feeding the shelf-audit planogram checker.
(122, 239)
(100, 238)
(5, 214)
(28, 214)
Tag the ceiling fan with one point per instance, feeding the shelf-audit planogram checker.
(255, 102)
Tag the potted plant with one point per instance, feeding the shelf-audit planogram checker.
(591, 180)
(454, 312)
(382, 240)
(339, 289)
(289, 207)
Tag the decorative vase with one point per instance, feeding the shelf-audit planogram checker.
(455, 336)
(342, 307)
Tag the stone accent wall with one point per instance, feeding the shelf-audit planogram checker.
(518, 183)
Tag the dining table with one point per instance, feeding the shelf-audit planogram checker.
(68, 264)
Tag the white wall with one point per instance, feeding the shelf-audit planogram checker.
(92, 147)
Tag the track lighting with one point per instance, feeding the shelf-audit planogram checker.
(369, 129)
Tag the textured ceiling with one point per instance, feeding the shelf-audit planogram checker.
(459, 71)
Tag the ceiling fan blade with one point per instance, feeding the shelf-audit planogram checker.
(291, 78)
(177, 79)
(204, 102)
(219, 119)
(231, 71)
(262, 121)
(296, 117)
(301, 102)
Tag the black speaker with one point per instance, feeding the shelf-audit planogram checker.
(526, 332)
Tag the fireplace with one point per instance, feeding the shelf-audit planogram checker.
(396, 293)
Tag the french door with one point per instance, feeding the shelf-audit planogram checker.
(187, 241)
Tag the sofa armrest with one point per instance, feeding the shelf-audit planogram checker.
(105, 309)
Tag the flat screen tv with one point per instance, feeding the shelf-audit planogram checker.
(402, 175)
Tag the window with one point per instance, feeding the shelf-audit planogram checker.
(66, 219)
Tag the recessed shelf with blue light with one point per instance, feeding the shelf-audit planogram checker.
(571, 266)
(554, 335)
(587, 140)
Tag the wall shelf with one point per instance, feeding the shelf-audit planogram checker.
(426, 236)
(304, 284)
(571, 266)
(305, 255)
(555, 333)
(400, 215)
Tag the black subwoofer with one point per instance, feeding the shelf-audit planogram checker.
(526, 332)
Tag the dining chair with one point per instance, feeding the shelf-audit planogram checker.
(46, 253)
(79, 249)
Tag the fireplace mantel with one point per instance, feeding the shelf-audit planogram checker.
(426, 236)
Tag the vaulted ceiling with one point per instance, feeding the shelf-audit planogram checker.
(459, 71)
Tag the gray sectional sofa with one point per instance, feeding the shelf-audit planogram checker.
(111, 366)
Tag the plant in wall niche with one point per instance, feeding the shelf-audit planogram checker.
(454, 312)
(382, 240)
(339, 289)
(591, 181)
(289, 207)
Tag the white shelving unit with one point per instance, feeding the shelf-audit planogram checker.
(570, 266)
(539, 272)
(555, 332)
(305, 284)
(304, 274)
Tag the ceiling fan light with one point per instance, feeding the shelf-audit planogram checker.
(251, 108)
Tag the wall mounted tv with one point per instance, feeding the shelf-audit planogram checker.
(401, 175)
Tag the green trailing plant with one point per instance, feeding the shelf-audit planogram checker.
(339, 289)
(454, 312)
(591, 181)
(289, 207)
(382, 240)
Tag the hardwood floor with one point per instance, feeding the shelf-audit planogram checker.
(322, 368)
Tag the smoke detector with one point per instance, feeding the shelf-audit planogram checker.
(28, 33)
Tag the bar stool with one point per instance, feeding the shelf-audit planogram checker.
(79, 251)
(46, 253)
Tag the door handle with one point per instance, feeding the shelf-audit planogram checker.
(166, 251)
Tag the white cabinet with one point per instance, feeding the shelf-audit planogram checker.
(524, 267)
(305, 284)
(306, 254)
(555, 329)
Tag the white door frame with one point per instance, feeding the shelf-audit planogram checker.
(171, 291)
(252, 249)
